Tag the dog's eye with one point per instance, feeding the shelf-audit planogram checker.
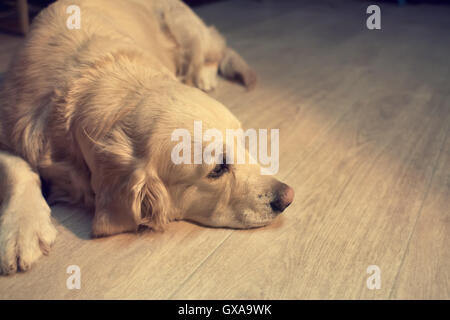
(218, 171)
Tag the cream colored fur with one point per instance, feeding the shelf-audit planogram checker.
(91, 112)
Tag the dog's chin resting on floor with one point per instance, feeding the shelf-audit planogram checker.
(90, 111)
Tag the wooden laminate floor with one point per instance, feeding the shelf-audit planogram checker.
(364, 121)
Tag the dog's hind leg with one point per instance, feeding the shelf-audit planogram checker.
(234, 67)
(26, 230)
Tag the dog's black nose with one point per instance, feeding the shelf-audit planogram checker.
(283, 199)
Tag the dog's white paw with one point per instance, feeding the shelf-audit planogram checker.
(207, 78)
(26, 232)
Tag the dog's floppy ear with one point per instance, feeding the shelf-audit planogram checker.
(128, 192)
(233, 67)
(121, 206)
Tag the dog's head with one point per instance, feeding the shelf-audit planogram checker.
(138, 179)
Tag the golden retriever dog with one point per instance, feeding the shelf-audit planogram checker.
(90, 112)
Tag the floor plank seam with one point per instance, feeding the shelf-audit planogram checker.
(436, 162)
(199, 266)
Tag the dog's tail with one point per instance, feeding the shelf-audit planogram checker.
(234, 67)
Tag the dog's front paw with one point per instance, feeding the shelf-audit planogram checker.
(26, 232)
